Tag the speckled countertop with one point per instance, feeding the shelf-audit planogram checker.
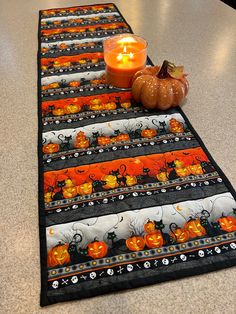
(201, 35)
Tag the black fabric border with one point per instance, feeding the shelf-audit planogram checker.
(222, 261)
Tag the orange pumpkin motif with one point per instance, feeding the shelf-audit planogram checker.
(58, 255)
(69, 183)
(126, 105)
(154, 239)
(111, 182)
(131, 180)
(97, 249)
(148, 133)
(110, 106)
(176, 126)
(103, 140)
(162, 176)
(72, 108)
(180, 235)
(227, 223)
(74, 84)
(135, 243)
(82, 143)
(63, 46)
(69, 192)
(58, 112)
(48, 196)
(96, 107)
(183, 172)
(122, 138)
(160, 88)
(85, 188)
(194, 227)
(195, 169)
(51, 148)
(149, 226)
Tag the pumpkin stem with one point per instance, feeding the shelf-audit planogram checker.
(163, 73)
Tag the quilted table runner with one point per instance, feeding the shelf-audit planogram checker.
(127, 197)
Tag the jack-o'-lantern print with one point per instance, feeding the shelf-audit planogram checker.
(149, 133)
(85, 188)
(176, 126)
(195, 229)
(122, 138)
(82, 143)
(154, 239)
(131, 180)
(183, 172)
(103, 140)
(196, 169)
(149, 226)
(72, 109)
(110, 106)
(227, 223)
(135, 243)
(58, 112)
(97, 249)
(48, 197)
(180, 235)
(58, 255)
(51, 148)
(69, 192)
(126, 105)
(111, 182)
(162, 176)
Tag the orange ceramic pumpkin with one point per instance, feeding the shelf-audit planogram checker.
(154, 239)
(111, 182)
(149, 226)
(195, 229)
(227, 223)
(180, 235)
(155, 88)
(51, 148)
(97, 249)
(148, 133)
(104, 140)
(135, 243)
(72, 108)
(69, 192)
(58, 255)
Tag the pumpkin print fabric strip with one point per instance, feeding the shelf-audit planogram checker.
(123, 192)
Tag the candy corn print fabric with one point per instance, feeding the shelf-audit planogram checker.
(127, 197)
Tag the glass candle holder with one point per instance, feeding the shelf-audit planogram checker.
(124, 55)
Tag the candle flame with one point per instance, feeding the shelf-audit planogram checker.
(119, 57)
(125, 49)
(131, 55)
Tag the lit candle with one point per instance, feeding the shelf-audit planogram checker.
(124, 55)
